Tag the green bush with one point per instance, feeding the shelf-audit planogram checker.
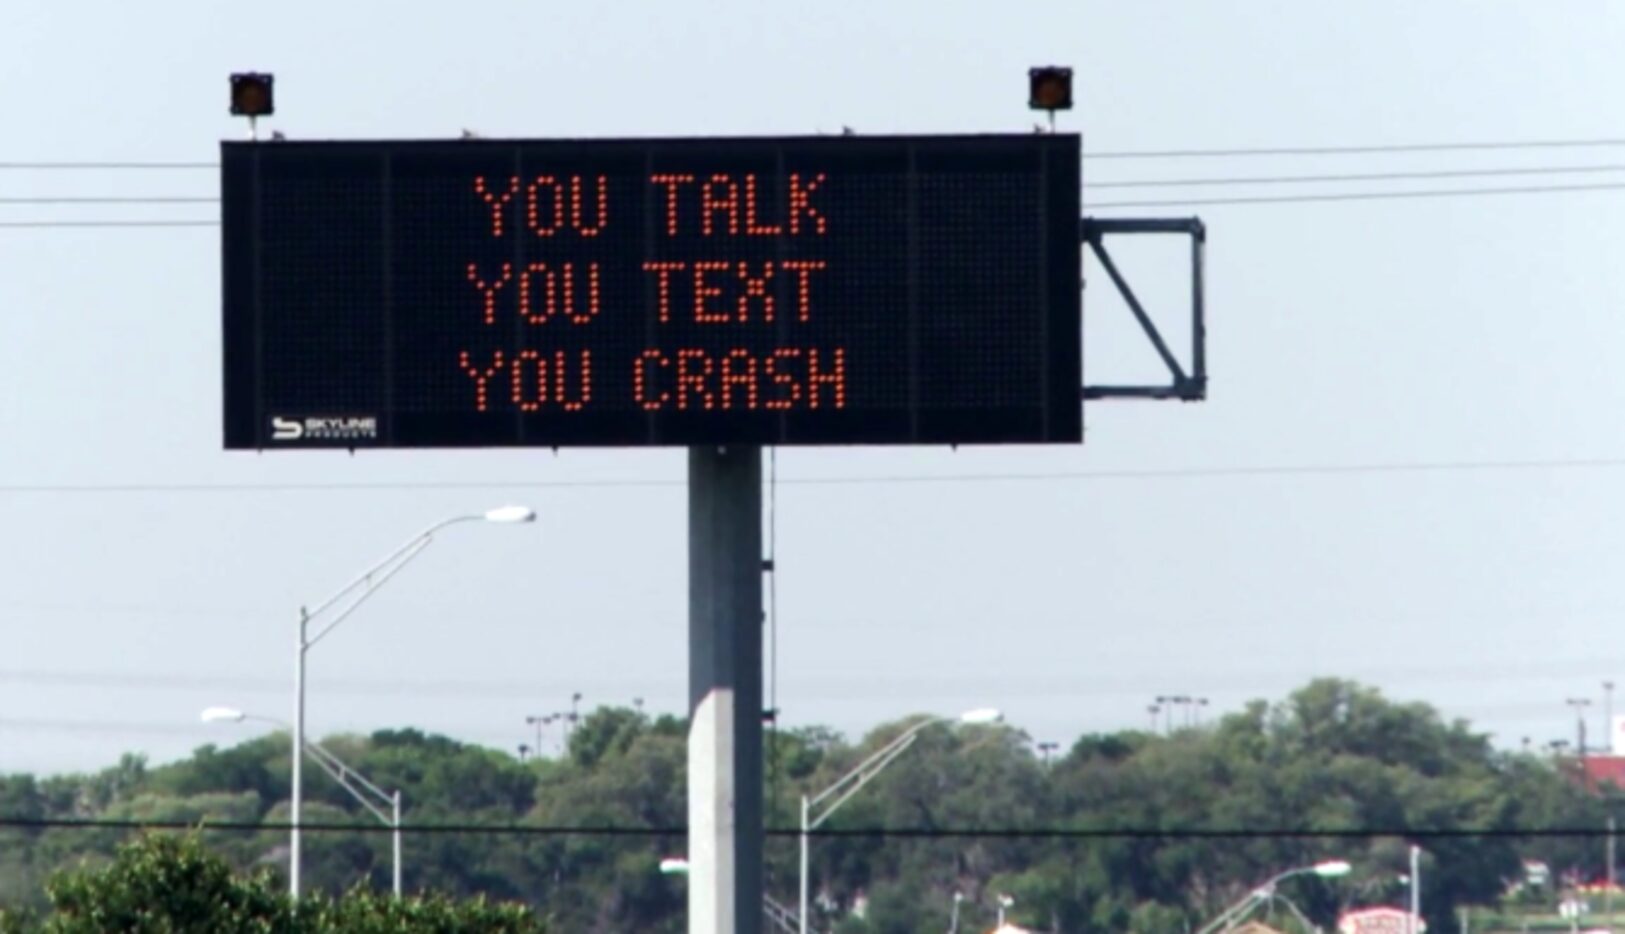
(168, 884)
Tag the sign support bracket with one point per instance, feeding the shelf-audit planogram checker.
(1185, 386)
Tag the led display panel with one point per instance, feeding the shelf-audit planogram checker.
(552, 293)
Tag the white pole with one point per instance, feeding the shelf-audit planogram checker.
(1613, 876)
(805, 810)
(396, 808)
(725, 690)
(1416, 889)
(1608, 715)
(298, 752)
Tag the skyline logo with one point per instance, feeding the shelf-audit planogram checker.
(325, 428)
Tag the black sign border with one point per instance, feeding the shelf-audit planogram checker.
(247, 423)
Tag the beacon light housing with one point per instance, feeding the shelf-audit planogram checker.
(1049, 88)
(251, 94)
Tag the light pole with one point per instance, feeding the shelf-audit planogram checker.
(1608, 717)
(772, 910)
(1231, 916)
(1416, 889)
(342, 774)
(358, 591)
(852, 782)
(1580, 704)
(539, 721)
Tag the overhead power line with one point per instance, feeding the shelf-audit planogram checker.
(1353, 177)
(1305, 470)
(841, 687)
(1096, 206)
(105, 223)
(1096, 186)
(1192, 153)
(1357, 196)
(1363, 149)
(928, 833)
(70, 165)
(108, 199)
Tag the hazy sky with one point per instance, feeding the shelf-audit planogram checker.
(1433, 331)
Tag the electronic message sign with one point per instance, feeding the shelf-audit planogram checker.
(810, 290)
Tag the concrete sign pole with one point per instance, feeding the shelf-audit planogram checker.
(725, 690)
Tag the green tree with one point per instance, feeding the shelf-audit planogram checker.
(1333, 756)
(170, 884)
(166, 884)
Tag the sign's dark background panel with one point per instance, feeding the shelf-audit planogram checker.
(890, 290)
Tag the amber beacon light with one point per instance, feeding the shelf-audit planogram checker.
(1049, 88)
(251, 94)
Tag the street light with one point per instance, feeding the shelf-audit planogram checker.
(1005, 904)
(772, 910)
(358, 590)
(1330, 869)
(342, 774)
(849, 784)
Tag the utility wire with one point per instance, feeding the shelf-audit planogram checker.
(1352, 177)
(1359, 196)
(1096, 186)
(103, 223)
(929, 833)
(1356, 149)
(773, 573)
(1103, 205)
(854, 480)
(1242, 152)
(70, 165)
(771, 566)
(112, 199)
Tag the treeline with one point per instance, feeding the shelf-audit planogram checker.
(1124, 832)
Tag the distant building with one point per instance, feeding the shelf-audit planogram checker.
(1599, 771)
(1602, 767)
(1381, 920)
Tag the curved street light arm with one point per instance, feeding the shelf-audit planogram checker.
(1298, 913)
(341, 773)
(369, 573)
(850, 784)
(1234, 913)
(343, 776)
(863, 778)
(1260, 893)
(375, 578)
(344, 773)
(865, 770)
